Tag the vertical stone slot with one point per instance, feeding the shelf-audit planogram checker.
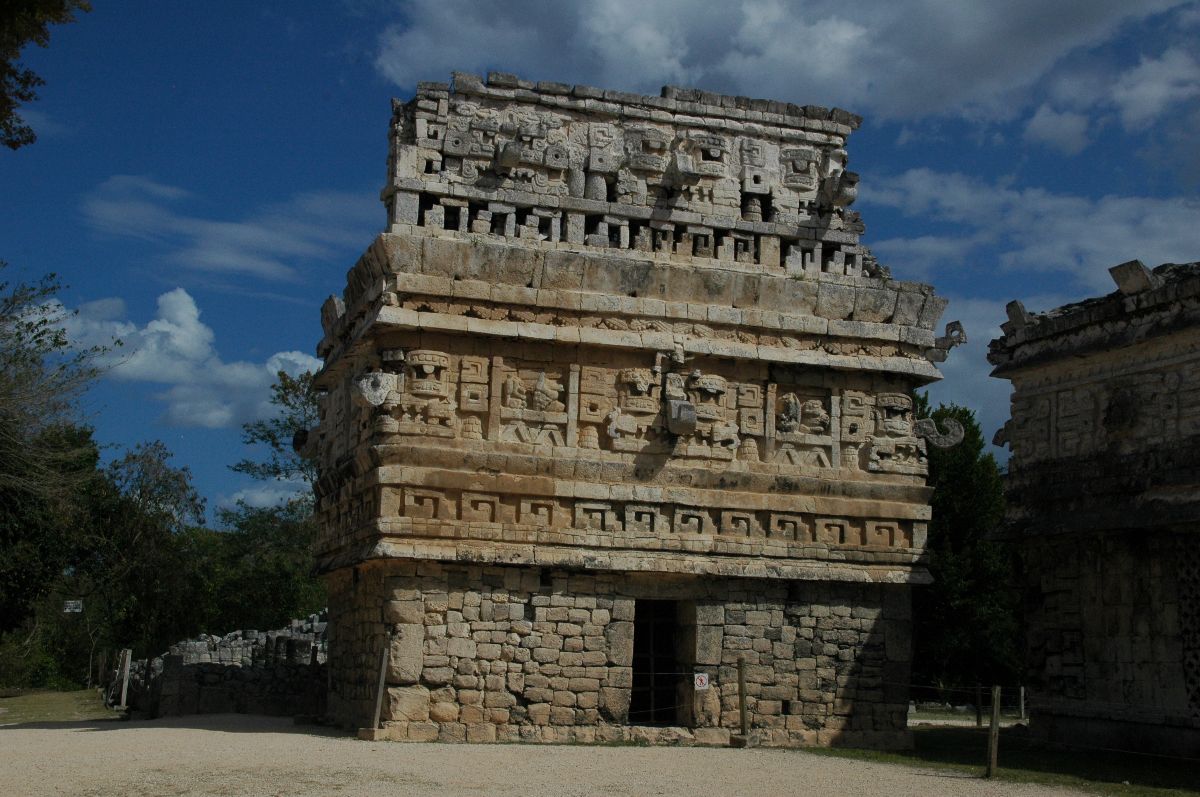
(655, 665)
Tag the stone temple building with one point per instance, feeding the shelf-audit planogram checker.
(619, 398)
(1104, 504)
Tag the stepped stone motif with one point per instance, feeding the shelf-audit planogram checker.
(617, 397)
(1104, 508)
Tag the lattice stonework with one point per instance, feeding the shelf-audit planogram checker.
(627, 336)
(1102, 503)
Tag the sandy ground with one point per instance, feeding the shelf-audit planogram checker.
(236, 755)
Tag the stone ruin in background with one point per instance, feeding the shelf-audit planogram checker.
(619, 398)
(1103, 506)
(280, 672)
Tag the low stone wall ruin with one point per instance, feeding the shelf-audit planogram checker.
(278, 673)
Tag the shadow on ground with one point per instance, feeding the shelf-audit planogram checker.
(968, 747)
(220, 723)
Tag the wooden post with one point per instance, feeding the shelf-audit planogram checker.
(1021, 701)
(382, 686)
(742, 696)
(979, 707)
(126, 660)
(994, 733)
(101, 674)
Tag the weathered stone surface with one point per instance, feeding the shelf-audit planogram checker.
(1103, 503)
(622, 350)
(409, 703)
(279, 672)
(410, 611)
(406, 656)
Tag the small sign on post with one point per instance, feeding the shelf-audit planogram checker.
(72, 607)
(701, 681)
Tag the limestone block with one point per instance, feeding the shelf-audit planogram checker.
(437, 675)
(406, 655)
(614, 704)
(709, 643)
(444, 712)
(834, 301)
(452, 732)
(562, 715)
(423, 731)
(874, 304)
(407, 611)
(409, 703)
(715, 737)
(481, 732)
(620, 643)
(710, 614)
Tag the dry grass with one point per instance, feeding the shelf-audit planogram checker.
(54, 707)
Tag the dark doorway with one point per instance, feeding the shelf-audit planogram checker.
(655, 667)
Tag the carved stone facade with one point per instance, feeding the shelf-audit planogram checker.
(622, 357)
(1103, 503)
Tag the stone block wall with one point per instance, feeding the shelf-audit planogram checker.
(278, 673)
(621, 368)
(1102, 503)
(1114, 640)
(494, 653)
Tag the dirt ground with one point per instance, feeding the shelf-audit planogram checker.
(242, 755)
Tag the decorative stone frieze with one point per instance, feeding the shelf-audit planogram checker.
(620, 340)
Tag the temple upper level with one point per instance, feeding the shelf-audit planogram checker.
(618, 332)
(689, 174)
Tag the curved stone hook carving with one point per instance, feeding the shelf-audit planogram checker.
(955, 335)
(927, 428)
(371, 389)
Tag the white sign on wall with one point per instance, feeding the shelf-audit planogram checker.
(701, 681)
(71, 607)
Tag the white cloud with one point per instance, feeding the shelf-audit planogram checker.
(1065, 131)
(269, 243)
(920, 257)
(269, 494)
(176, 349)
(1145, 92)
(43, 124)
(262, 496)
(902, 60)
(1032, 229)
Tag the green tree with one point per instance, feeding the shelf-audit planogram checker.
(270, 548)
(268, 557)
(296, 411)
(132, 559)
(966, 624)
(132, 553)
(46, 456)
(23, 22)
(41, 379)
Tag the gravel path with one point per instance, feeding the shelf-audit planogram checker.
(242, 755)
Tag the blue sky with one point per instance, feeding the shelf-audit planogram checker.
(205, 174)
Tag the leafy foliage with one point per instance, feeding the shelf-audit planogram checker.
(966, 624)
(46, 459)
(297, 411)
(268, 554)
(23, 22)
(127, 538)
(41, 378)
